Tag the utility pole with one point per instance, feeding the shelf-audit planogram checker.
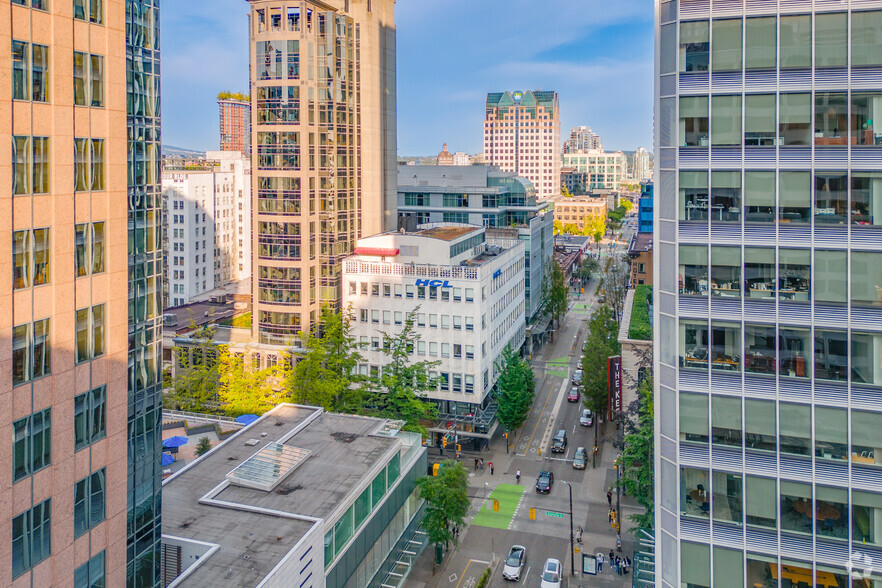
(618, 503)
(572, 546)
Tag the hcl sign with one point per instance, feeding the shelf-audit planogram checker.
(434, 283)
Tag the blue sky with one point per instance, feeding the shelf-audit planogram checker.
(597, 54)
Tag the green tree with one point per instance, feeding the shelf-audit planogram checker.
(246, 390)
(601, 342)
(595, 224)
(558, 292)
(326, 375)
(203, 446)
(398, 391)
(638, 459)
(515, 389)
(196, 374)
(587, 269)
(616, 273)
(557, 227)
(447, 501)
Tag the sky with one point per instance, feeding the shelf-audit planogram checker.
(597, 54)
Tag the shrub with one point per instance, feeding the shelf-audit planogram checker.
(640, 327)
(484, 579)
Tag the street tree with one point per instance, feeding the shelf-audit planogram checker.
(558, 292)
(326, 375)
(196, 374)
(400, 389)
(638, 457)
(615, 284)
(447, 501)
(515, 389)
(245, 389)
(595, 225)
(601, 342)
(587, 269)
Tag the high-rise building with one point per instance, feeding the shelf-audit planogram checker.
(768, 302)
(324, 162)
(582, 138)
(522, 135)
(598, 170)
(81, 296)
(642, 164)
(207, 226)
(235, 122)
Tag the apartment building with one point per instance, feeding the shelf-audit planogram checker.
(597, 170)
(768, 274)
(81, 298)
(522, 135)
(582, 138)
(235, 122)
(324, 157)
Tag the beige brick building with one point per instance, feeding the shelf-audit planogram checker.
(324, 155)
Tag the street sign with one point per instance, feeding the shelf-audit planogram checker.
(551, 513)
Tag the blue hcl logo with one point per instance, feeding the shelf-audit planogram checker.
(434, 283)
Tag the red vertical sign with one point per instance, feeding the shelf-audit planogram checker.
(614, 379)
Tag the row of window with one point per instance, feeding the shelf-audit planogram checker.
(788, 119)
(445, 381)
(411, 291)
(30, 254)
(793, 275)
(459, 351)
(828, 197)
(789, 351)
(791, 507)
(30, 162)
(786, 41)
(373, 316)
(30, 75)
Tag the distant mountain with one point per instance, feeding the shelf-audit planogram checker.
(172, 151)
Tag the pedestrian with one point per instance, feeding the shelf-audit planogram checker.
(612, 557)
(609, 498)
(610, 516)
(627, 563)
(476, 464)
(518, 476)
(599, 562)
(579, 535)
(490, 463)
(618, 565)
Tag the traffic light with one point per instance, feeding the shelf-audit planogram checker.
(458, 447)
(444, 441)
(532, 513)
(495, 505)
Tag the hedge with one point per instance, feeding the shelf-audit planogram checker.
(640, 326)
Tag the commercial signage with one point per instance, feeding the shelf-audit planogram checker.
(614, 371)
(434, 283)
(589, 564)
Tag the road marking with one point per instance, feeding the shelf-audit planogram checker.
(517, 508)
(530, 442)
(527, 573)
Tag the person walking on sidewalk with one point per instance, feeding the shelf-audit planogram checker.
(476, 464)
(490, 463)
(599, 562)
(482, 464)
(518, 476)
(609, 498)
(579, 534)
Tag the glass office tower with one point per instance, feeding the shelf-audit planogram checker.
(768, 354)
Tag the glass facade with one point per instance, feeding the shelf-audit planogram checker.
(145, 277)
(767, 192)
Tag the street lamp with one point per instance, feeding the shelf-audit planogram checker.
(572, 547)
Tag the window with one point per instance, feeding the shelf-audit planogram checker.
(89, 502)
(693, 417)
(831, 275)
(759, 425)
(831, 39)
(694, 196)
(761, 504)
(363, 315)
(726, 420)
(725, 271)
(694, 493)
(457, 323)
(796, 499)
(469, 294)
(866, 440)
(421, 347)
(31, 537)
(693, 121)
(759, 121)
(31, 353)
(30, 258)
(759, 197)
(457, 350)
(433, 320)
(761, 44)
(727, 500)
(421, 319)
(694, 46)
(397, 290)
(831, 118)
(456, 200)
(795, 428)
(36, 4)
(387, 317)
(375, 316)
(865, 358)
(399, 317)
(90, 417)
(90, 333)
(470, 323)
(726, 196)
(795, 124)
(375, 289)
(30, 71)
(470, 352)
(726, 121)
(831, 433)
(88, 71)
(727, 45)
(866, 38)
(445, 321)
(831, 355)
(445, 350)
(759, 273)
(433, 348)
(30, 163)
(866, 277)
(795, 197)
(409, 290)
(794, 352)
(693, 344)
(88, 164)
(96, 13)
(31, 444)
(796, 41)
(387, 290)
(91, 573)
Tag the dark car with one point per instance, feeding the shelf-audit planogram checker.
(577, 377)
(559, 443)
(544, 482)
(573, 395)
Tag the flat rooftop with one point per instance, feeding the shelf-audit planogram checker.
(342, 452)
(447, 233)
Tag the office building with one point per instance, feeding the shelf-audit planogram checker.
(581, 211)
(644, 208)
(642, 169)
(483, 196)
(522, 135)
(768, 277)
(81, 306)
(468, 295)
(207, 226)
(582, 138)
(235, 122)
(300, 497)
(598, 170)
(324, 157)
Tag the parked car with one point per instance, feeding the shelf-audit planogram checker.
(580, 459)
(573, 395)
(551, 574)
(559, 443)
(544, 482)
(577, 377)
(587, 418)
(514, 563)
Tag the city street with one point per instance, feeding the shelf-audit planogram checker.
(488, 538)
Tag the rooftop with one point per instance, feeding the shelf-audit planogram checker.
(259, 492)
(447, 233)
(640, 243)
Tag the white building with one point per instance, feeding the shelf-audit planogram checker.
(642, 164)
(207, 222)
(602, 170)
(461, 158)
(468, 296)
(581, 139)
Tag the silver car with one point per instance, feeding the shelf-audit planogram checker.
(514, 563)
(587, 418)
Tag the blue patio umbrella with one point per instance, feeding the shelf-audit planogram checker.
(173, 442)
(167, 459)
(246, 419)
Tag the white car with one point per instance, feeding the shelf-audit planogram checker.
(514, 563)
(551, 574)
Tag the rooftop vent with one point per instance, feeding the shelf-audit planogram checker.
(268, 467)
